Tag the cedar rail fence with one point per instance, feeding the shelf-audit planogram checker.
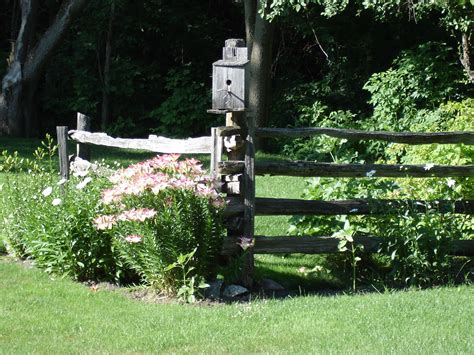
(236, 176)
(239, 174)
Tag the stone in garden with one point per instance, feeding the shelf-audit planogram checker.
(270, 285)
(214, 290)
(233, 291)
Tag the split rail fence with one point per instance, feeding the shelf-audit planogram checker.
(237, 174)
(244, 202)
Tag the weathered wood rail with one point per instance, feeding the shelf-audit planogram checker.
(393, 137)
(288, 207)
(325, 245)
(308, 169)
(157, 144)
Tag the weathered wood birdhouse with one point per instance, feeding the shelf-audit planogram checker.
(230, 77)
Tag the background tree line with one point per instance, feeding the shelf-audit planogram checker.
(141, 67)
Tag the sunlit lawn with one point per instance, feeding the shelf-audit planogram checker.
(41, 315)
(38, 314)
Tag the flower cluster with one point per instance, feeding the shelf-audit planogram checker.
(160, 173)
(150, 178)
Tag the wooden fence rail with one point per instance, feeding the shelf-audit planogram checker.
(309, 169)
(201, 145)
(288, 207)
(325, 245)
(395, 137)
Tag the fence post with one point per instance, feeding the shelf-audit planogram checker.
(216, 151)
(249, 201)
(83, 124)
(61, 132)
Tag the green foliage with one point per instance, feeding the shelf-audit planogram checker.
(184, 109)
(160, 211)
(321, 148)
(418, 79)
(346, 235)
(190, 285)
(50, 221)
(329, 8)
(417, 245)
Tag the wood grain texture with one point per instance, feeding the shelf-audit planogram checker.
(83, 151)
(324, 245)
(305, 168)
(308, 169)
(274, 206)
(395, 137)
(156, 144)
(61, 132)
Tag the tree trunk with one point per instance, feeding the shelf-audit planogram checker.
(20, 82)
(250, 10)
(106, 84)
(12, 84)
(466, 55)
(260, 68)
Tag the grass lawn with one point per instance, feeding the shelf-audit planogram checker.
(41, 315)
(38, 314)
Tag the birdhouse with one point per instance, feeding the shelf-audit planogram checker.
(230, 77)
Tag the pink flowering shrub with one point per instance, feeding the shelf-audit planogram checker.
(160, 209)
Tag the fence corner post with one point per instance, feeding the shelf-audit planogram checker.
(83, 124)
(61, 132)
(249, 201)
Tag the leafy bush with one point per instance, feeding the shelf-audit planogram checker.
(183, 111)
(416, 245)
(50, 220)
(160, 211)
(422, 78)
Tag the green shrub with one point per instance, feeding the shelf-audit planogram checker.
(163, 212)
(421, 78)
(416, 245)
(49, 221)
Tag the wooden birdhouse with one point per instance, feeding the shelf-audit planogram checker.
(230, 77)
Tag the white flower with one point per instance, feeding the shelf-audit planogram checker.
(56, 202)
(62, 182)
(47, 191)
(83, 183)
(370, 173)
(428, 166)
(451, 182)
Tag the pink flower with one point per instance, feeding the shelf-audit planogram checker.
(137, 214)
(105, 222)
(133, 238)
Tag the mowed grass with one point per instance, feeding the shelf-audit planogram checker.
(41, 315)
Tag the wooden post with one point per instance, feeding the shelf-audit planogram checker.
(216, 152)
(83, 124)
(61, 132)
(249, 201)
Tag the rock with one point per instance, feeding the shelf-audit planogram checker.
(233, 291)
(270, 285)
(214, 290)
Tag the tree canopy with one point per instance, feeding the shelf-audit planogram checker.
(141, 67)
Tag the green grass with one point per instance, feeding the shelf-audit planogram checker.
(41, 315)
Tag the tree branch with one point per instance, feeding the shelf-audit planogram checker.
(39, 55)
